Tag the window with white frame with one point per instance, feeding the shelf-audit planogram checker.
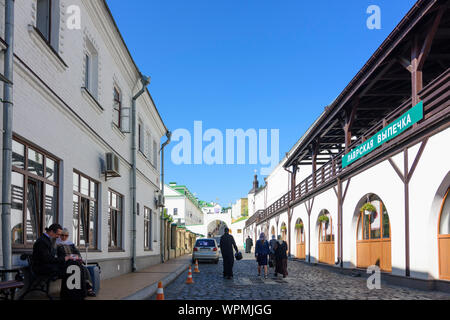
(47, 21)
(141, 136)
(117, 108)
(154, 226)
(91, 70)
(147, 228)
(155, 154)
(148, 147)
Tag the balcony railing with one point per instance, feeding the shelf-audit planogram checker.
(436, 99)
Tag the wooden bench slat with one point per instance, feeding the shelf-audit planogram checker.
(11, 284)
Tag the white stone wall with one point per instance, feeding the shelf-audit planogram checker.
(427, 188)
(52, 112)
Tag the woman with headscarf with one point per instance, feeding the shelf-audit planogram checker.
(281, 249)
(261, 253)
(64, 248)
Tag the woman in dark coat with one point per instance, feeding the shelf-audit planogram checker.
(261, 253)
(65, 248)
(281, 248)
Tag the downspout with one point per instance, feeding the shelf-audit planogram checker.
(145, 82)
(7, 134)
(163, 249)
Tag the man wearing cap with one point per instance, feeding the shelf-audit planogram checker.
(227, 244)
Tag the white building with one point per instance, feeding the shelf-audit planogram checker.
(368, 183)
(182, 205)
(72, 89)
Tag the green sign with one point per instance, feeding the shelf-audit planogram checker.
(414, 115)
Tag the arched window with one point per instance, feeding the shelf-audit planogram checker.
(300, 231)
(373, 225)
(325, 227)
(444, 238)
(283, 231)
(444, 222)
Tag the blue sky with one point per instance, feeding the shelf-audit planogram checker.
(247, 64)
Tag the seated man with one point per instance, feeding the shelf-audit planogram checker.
(66, 248)
(44, 257)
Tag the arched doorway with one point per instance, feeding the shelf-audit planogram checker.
(373, 243)
(272, 232)
(444, 238)
(326, 237)
(215, 229)
(283, 231)
(300, 239)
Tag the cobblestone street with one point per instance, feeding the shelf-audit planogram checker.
(305, 282)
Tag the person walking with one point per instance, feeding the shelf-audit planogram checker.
(261, 252)
(281, 257)
(227, 244)
(248, 245)
(272, 244)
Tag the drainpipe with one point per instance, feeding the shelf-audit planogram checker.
(145, 82)
(7, 134)
(163, 249)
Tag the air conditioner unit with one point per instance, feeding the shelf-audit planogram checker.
(112, 165)
(160, 201)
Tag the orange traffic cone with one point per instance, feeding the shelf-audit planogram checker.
(189, 278)
(160, 292)
(196, 267)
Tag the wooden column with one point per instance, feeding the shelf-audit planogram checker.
(348, 117)
(293, 176)
(406, 178)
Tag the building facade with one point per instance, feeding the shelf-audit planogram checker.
(73, 90)
(368, 183)
(182, 205)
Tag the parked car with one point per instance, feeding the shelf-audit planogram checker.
(206, 250)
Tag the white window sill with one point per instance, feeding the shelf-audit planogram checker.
(45, 47)
(3, 45)
(92, 101)
(118, 131)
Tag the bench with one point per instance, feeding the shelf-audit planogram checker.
(34, 282)
(8, 288)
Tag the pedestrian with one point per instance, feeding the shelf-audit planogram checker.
(248, 245)
(227, 244)
(261, 252)
(281, 248)
(272, 244)
(44, 257)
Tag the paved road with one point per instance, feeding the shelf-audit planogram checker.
(305, 282)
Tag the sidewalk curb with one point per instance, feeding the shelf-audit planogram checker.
(151, 290)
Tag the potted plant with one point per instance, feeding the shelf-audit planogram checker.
(323, 218)
(299, 226)
(368, 208)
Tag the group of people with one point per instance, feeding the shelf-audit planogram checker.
(272, 253)
(53, 252)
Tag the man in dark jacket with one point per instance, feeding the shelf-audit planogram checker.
(248, 245)
(226, 247)
(45, 261)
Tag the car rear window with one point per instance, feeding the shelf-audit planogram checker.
(205, 243)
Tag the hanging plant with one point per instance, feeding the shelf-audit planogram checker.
(283, 227)
(299, 226)
(324, 218)
(368, 208)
